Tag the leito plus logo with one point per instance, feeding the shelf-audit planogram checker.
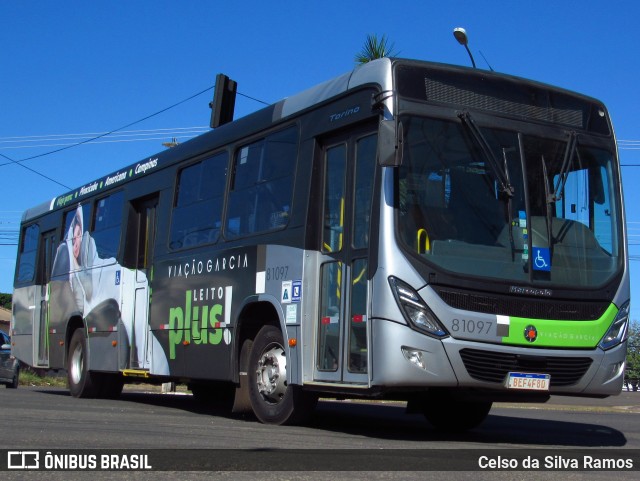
(204, 319)
(23, 460)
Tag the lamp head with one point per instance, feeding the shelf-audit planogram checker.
(461, 35)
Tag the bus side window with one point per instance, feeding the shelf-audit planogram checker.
(262, 184)
(107, 224)
(198, 202)
(28, 251)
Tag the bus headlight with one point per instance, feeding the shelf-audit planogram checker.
(619, 329)
(414, 310)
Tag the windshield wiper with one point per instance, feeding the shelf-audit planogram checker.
(509, 205)
(550, 200)
(502, 176)
(501, 171)
(569, 152)
(558, 190)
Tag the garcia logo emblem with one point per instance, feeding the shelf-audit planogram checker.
(530, 333)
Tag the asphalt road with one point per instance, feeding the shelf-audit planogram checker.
(48, 418)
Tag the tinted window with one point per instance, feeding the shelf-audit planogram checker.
(198, 203)
(262, 186)
(559, 223)
(28, 251)
(107, 225)
(363, 188)
(334, 188)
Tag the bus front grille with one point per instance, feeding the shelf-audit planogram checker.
(522, 307)
(493, 366)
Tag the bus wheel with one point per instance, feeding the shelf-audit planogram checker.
(449, 414)
(82, 383)
(273, 400)
(16, 379)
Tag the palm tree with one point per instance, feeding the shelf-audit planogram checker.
(375, 48)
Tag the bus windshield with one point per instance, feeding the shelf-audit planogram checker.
(509, 205)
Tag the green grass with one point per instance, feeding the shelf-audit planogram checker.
(29, 377)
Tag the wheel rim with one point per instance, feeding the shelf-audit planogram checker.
(77, 363)
(272, 374)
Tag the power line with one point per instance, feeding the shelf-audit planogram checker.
(113, 141)
(32, 170)
(20, 162)
(252, 98)
(72, 139)
(39, 141)
(111, 131)
(104, 134)
(92, 134)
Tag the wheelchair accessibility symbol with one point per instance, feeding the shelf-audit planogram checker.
(541, 259)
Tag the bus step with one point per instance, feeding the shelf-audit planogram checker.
(135, 373)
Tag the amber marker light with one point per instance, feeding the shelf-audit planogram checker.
(114, 343)
(293, 342)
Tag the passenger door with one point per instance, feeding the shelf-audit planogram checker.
(142, 229)
(46, 255)
(342, 327)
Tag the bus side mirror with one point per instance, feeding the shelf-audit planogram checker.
(390, 143)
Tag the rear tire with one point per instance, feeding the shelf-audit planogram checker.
(82, 382)
(447, 413)
(273, 399)
(16, 379)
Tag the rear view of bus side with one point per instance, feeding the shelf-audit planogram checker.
(414, 231)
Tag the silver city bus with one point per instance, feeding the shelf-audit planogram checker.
(441, 235)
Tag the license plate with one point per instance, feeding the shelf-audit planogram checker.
(528, 381)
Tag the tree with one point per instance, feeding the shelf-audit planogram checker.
(633, 352)
(375, 48)
(5, 301)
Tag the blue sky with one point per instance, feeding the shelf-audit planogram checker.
(78, 67)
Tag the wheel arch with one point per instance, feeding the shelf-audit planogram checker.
(75, 322)
(256, 312)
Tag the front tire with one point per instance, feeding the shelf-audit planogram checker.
(82, 382)
(273, 399)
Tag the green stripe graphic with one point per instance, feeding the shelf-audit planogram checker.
(559, 333)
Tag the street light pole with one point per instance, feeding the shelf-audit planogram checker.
(461, 36)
